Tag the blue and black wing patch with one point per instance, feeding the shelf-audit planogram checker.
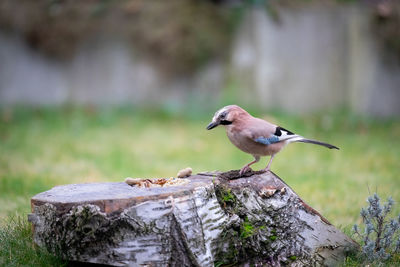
(267, 141)
(279, 130)
(280, 134)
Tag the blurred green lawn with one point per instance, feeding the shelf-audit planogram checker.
(41, 148)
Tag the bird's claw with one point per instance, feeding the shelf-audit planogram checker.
(266, 169)
(244, 170)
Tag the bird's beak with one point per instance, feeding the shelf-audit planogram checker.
(212, 125)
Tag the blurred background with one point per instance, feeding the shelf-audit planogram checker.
(99, 90)
(298, 56)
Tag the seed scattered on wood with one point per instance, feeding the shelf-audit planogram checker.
(158, 182)
(133, 181)
(184, 173)
(267, 192)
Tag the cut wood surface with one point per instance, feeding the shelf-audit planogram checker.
(213, 219)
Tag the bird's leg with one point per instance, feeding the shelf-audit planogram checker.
(269, 163)
(247, 166)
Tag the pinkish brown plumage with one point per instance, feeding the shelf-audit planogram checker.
(255, 136)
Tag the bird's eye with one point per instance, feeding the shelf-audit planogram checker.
(223, 115)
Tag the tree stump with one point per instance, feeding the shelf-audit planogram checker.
(214, 219)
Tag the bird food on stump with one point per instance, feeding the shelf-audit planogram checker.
(213, 219)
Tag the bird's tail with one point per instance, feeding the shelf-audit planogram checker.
(304, 140)
(298, 138)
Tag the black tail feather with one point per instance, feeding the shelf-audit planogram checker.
(317, 143)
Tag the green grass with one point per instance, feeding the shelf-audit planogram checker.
(17, 248)
(41, 148)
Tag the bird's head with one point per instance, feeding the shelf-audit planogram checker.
(226, 116)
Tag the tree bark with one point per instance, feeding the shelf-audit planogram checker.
(214, 219)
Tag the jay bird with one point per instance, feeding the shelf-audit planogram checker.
(256, 136)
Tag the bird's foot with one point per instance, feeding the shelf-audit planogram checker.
(244, 170)
(266, 169)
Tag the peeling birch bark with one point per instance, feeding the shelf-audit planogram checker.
(214, 219)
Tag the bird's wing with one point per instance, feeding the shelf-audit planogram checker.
(280, 134)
